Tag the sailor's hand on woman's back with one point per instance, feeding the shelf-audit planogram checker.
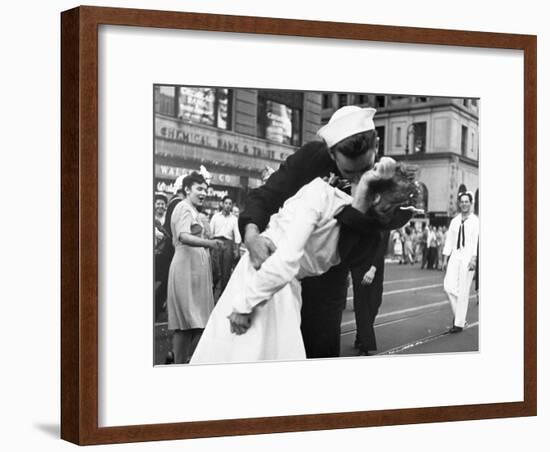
(259, 247)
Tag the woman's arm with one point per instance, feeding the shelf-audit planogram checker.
(193, 240)
(182, 221)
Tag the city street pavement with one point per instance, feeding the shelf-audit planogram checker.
(414, 318)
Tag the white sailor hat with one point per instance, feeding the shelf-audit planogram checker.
(345, 122)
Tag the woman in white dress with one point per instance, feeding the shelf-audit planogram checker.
(265, 304)
(460, 259)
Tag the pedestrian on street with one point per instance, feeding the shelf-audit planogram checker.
(162, 259)
(224, 226)
(167, 251)
(190, 299)
(397, 241)
(408, 249)
(460, 259)
(424, 245)
(441, 236)
(432, 248)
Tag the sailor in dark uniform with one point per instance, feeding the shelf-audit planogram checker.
(348, 149)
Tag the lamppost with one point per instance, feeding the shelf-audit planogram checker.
(410, 130)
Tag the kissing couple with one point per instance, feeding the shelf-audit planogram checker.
(303, 231)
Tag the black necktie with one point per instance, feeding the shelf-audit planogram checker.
(460, 233)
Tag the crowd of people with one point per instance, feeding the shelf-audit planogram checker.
(419, 244)
(328, 211)
(195, 252)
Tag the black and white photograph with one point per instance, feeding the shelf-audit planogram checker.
(292, 225)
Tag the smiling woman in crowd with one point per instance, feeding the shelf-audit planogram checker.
(190, 299)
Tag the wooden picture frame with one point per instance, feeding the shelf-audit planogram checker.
(79, 224)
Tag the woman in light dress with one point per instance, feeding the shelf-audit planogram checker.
(397, 240)
(190, 299)
(408, 249)
(258, 315)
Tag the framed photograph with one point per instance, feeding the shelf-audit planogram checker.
(274, 225)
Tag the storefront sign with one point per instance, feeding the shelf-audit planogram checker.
(198, 135)
(172, 172)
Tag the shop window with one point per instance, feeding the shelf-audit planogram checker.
(277, 121)
(165, 100)
(208, 106)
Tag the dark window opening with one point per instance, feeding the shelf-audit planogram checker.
(380, 101)
(419, 135)
(342, 100)
(398, 136)
(381, 131)
(464, 140)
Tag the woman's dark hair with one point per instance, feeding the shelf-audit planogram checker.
(191, 179)
(465, 193)
(357, 144)
(392, 194)
(162, 197)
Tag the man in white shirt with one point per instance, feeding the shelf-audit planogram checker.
(224, 226)
(432, 248)
(460, 259)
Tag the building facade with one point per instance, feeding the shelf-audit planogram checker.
(238, 135)
(241, 135)
(440, 135)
